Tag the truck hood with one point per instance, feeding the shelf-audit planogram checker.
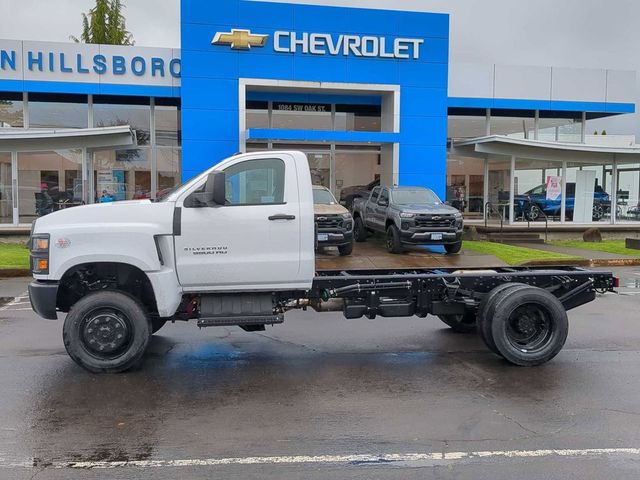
(324, 209)
(428, 208)
(154, 217)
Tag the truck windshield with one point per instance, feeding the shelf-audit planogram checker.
(418, 196)
(323, 197)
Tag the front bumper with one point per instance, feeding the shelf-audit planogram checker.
(335, 238)
(424, 237)
(43, 296)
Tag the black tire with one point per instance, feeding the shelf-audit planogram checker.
(157, 324)
(529, 326)
(453, 247)
(359, 230)
(532, 212)
(345, 249)
(393, 240)
(106, 332)
(598, 212)
(465, 323)
(486, 311)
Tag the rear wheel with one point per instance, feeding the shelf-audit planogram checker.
(487, 309)
(529, 326)
(106, 332)
(393, 239)
(359, 230)
(453, 247)
(345, 249)
(465, 323)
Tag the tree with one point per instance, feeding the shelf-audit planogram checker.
(105, 24)
(604, 132)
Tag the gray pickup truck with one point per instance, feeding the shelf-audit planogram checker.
(407, 216)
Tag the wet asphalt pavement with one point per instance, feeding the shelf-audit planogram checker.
(319, 385)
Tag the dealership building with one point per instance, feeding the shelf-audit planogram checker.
(367, 94)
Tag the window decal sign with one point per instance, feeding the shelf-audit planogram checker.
(554, 187)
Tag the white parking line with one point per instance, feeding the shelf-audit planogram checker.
(340, 459)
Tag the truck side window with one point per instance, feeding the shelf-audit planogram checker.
(384, 197)
(255, 182)
(374, 194)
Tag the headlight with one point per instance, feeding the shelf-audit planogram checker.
(346, 216)
(40, 254)
(40, 244)
(458, 216)
(407, 215)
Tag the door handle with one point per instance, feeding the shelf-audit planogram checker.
(282, 216)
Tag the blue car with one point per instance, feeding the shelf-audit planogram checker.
(534, 203)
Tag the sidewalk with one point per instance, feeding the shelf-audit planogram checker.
(576, 252)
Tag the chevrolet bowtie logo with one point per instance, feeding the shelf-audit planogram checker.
(240, 39)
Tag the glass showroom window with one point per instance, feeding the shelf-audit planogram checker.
(559, 129)
(257, 114)
(167, 141)
(48, 181)
(628, 192)
(504, 123)
(465, 184)
(11, 114)
(123, 174)
(6, 190)
(358, 118)
(57, 111)
(537, 190)
(169, 162)
(498, 184)
(462, 126)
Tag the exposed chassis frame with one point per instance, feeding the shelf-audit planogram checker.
(447, 291)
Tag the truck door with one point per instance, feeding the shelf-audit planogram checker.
(251, 242)
(370, 209)
(381, 208)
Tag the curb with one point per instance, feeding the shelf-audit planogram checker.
(14, 272)
(585, 262)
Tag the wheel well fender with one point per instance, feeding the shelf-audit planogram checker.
(86, 278)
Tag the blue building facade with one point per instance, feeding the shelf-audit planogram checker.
(306, 47)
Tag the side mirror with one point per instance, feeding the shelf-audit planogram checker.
(215, 188)
(214, 192)
(383, 203)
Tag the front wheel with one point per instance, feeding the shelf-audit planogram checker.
(345, 249)
(359, 230)
(393, 240)
(106, 332)
(453, 247)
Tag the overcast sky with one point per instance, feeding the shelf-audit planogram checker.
(578, 33)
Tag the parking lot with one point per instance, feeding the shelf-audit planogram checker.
(322, 397)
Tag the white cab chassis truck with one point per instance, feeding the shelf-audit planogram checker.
(235, 246)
